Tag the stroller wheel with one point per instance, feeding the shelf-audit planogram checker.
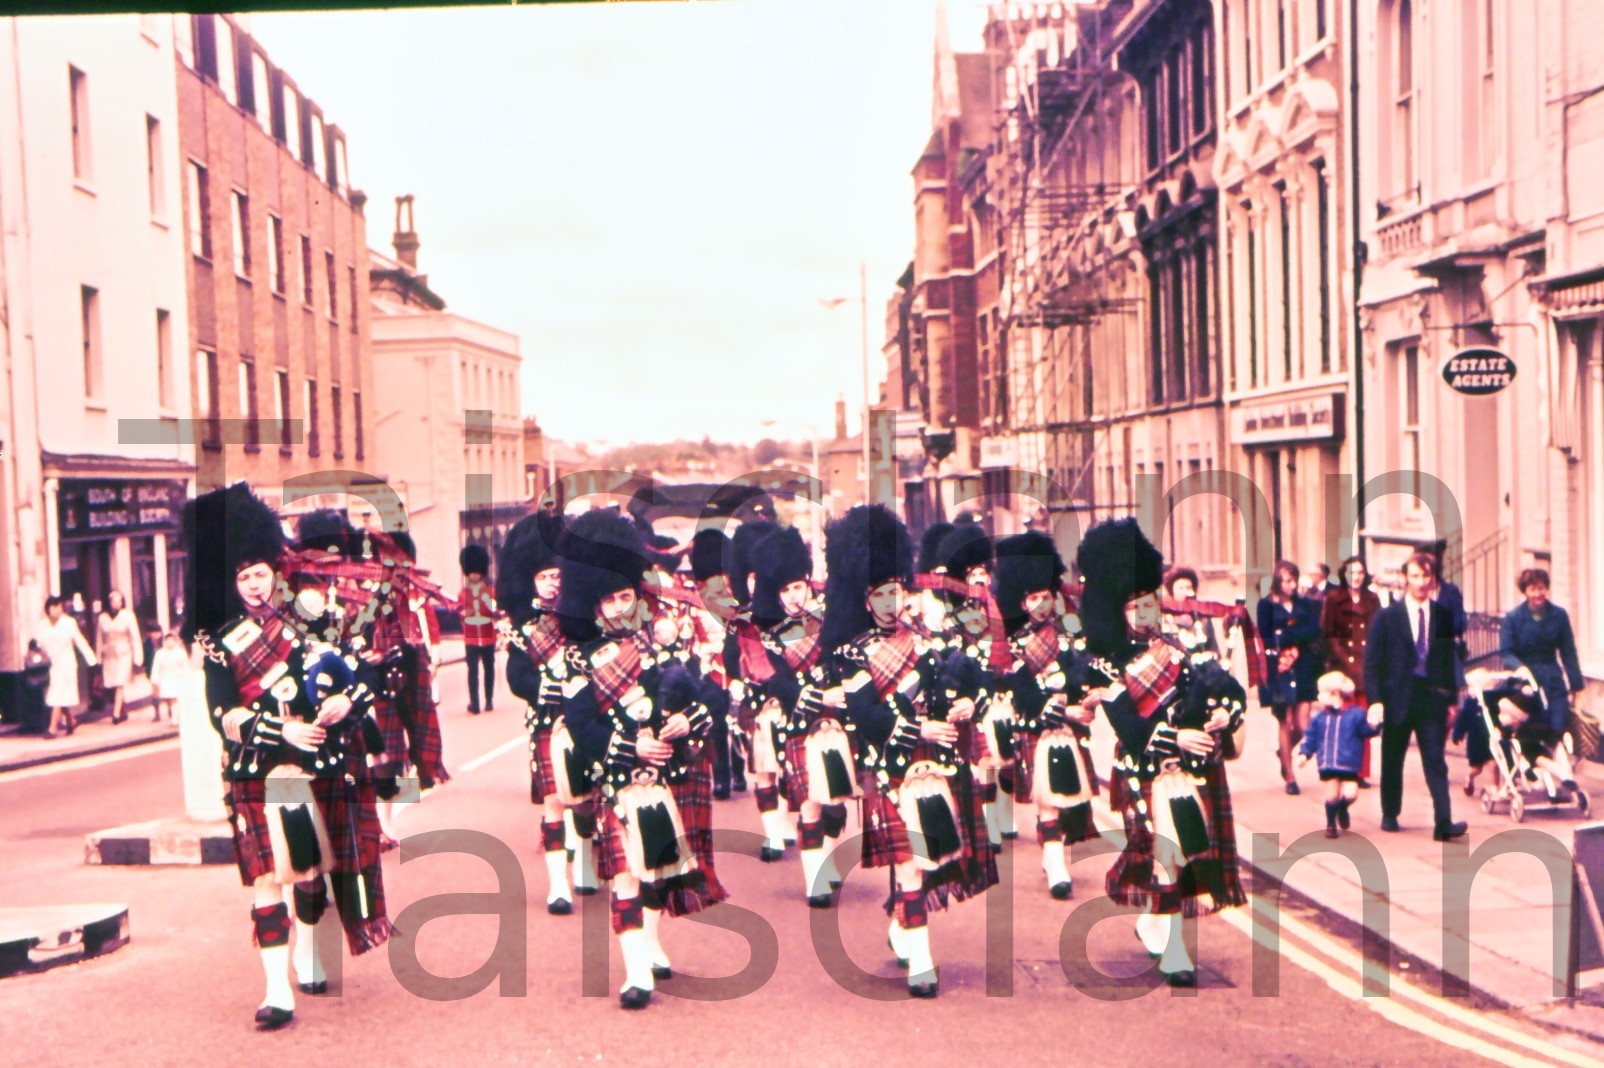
(1517, 807)
(1486, 800)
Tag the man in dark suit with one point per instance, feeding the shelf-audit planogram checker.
(1410, 675)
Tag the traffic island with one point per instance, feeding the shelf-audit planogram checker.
(39, 938)
(168, 841)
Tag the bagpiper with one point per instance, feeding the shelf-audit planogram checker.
(634, 715)
(1169, 714)
(1054, 769)
(477, 605)
(813, 745)
(528, 584)
(291, 708)
(922, 815)
(757, 711)
(720, 651)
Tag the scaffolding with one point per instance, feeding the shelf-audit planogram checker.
(1048, 305)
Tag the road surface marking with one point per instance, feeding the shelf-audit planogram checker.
(505, 747)
(92, 760)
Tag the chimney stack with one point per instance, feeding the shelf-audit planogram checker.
(840, 418)
(405, 241)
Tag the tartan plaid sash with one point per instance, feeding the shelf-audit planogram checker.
(1252, 644)
(889, 656)
(1039, 646)
(272, 646)
(544, 639)
(614, 678)
(1151, 677)
(756, 667)
(929, 580)
(797, 641)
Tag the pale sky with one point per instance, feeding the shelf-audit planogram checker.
(654, 196)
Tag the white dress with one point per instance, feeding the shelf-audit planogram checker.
(58, 640)
(120, 647)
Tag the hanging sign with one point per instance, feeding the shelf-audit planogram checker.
(1478, 372)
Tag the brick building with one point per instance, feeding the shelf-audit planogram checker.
(279, 325)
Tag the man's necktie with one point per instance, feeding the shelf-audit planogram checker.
(1420, 644)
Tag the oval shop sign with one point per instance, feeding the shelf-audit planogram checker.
(1477, 372)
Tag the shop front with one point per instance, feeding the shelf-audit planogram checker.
(120, 534)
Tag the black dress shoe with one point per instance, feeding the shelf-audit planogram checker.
(473, 711)
(1448, 832)
(769, 855)
(1363, 783)
(835, 884)
(585, 891)
(1332, 832)
(635, 998)
(922, 990)
(1062, 891)
(1149, 952)
(820, 901)
(1185, 977)
(1292, 788)
(316, 987)
(738, 785)
(269, 1018)
(490, 708)
(1009, 836)
(662, 971)
(561, 907)
(721, 793)
(1390, 823)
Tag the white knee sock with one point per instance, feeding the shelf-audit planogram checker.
(812, 869)
(898, 940)
(774, 828)
(1175, 958)
(276, 966)
(1153, 931)
(304, 955)
(921, 964)
(787, 827)
(653, 920)
(635, 947)
(832, 874)
(584, 864)
(1005, 813)
(557, 876)
(1052, 862)
(570, 836)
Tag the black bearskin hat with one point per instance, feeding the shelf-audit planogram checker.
(530, 548)
(746, 537)
(328, 530)
(600, 553)
(709, 553)
(778, 560)
(404, 542)
(475, 560)
(224, 531)
(929, 547)
(966, 547)
(865, 548)
(1026, 563)
(1116, 562)
(664, 552)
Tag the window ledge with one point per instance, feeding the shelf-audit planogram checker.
(160, 224)
(95, 405)
(280, 297)
(285, 450)
(253, 448)
(243, 278)
(201, 258)
(84, 187)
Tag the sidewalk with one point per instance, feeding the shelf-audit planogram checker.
(98, 735)
(1502, 946)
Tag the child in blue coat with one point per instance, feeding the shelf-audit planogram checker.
(1335, 741)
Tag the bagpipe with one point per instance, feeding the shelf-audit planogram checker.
(1062, 772)
(827, 751)
(924, 798)
(655, 843)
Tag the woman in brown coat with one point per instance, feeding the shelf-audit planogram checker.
(1349, 609)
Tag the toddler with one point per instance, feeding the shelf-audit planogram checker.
(1336, 740)
(167, 673)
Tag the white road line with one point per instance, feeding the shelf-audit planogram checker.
(505, 747)
(94, 760)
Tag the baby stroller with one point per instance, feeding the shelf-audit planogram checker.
(1533, 772)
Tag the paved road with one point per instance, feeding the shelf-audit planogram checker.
(184, 990)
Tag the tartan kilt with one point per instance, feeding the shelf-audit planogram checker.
(1207, 884)
(393, 727)
(695, 799)
(542, 774)
(422, 717)
(794, 782)
(1024, 766)
(349, 812)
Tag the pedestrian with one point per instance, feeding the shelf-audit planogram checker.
(1537, 635)
(1169, 715)
(1290, 626)
(120, 648)
(1053, 749)
(168, 670)
(636, 719)
(292, 711)
(1195, 632)
(1345, 625)
(477, 605)
(59, 637)
(1410, 679)
(1318, 582)
(921, 820)
(1336, 738)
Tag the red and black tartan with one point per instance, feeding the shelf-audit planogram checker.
(393, 729)
(542, 773)
(421, 716)
(695, 799)
(1024, 767)
(1132, 880)
(795, 780)
(349, 813)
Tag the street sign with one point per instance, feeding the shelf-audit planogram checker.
(1478, 372)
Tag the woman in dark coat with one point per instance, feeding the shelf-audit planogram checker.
(1345, 624)
(1290, 626)
(1537, 634)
